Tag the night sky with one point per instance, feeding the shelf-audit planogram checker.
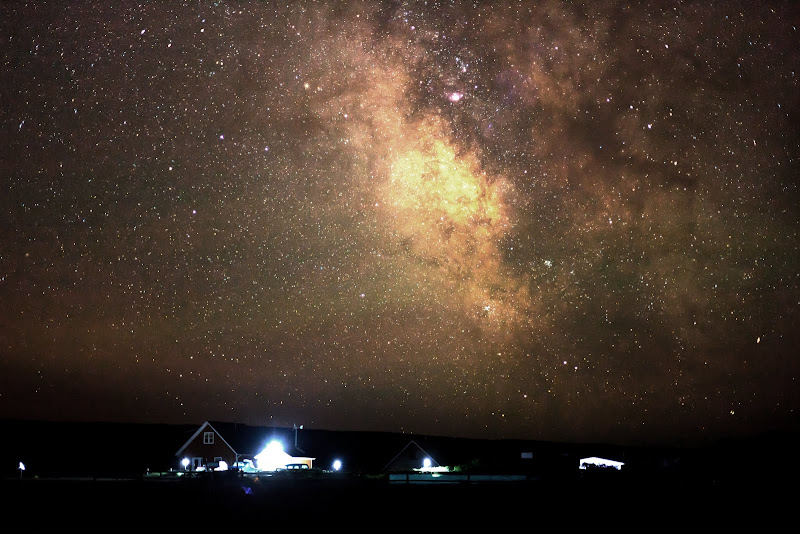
(544, 220)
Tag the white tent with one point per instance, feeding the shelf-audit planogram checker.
(600, 462)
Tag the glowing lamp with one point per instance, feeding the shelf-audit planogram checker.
(426, 463)
(185, 463)
(272, 457)
(337, 465)
(21, 466)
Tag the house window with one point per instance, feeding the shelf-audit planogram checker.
(208, 438)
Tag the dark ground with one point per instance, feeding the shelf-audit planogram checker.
(373, 502)
(94, 476)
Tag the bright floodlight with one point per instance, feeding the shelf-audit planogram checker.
(21, 466)
(185, 463)
(337, 464)
(223, 466)
(272, 457)
(426, 463)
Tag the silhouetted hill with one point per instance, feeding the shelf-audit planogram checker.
(129, 450)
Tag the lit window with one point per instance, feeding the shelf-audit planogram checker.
(208, 438)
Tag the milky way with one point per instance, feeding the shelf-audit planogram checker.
(542, 220)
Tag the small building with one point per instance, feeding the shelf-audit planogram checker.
(411, 457)
(206, 447)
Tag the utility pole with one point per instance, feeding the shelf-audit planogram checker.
(296, 428)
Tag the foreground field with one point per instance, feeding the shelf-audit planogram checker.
(236, 500)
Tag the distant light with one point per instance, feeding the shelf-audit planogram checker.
(600, 462)
(426, 463)
(223, 466)
(21, 466)
(434, 470)
(185, 463)
(337, 465)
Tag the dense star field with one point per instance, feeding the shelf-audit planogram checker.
(545, 220)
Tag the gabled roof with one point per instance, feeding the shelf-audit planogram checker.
(197, 433)
(245, 439)
(407, 459)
